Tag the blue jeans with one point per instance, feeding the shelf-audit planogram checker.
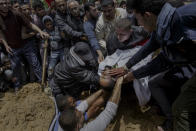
(29, 52)
(55, 57)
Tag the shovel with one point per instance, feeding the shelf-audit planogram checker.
(44, 64)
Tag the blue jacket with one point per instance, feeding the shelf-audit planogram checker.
(89, 29)
(176, 30)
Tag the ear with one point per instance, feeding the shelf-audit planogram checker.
(147, 14)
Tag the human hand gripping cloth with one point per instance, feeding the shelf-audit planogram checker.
(120, 58)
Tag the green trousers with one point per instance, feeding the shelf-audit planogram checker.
(184, 108)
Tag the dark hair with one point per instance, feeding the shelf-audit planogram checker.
(87, 6)
(142, 6)
(123, 23)
(14, 2)
(47, 20)
(38, 4)
(122, 3)
(68, 120)
(62, 102)
(105, 3)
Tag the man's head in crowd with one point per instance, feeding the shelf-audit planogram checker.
(26, 9)
(123, 4)
(146, 12)
(74, 8)
(97, 4)
(3, 7)
(48, 23)
(91, 11)
(39, 9)
(16, 5)
(9, 3)
(61, 6)
(71, 120)
(65, 102)
(108, 9)
(84, 51)
(123, 29)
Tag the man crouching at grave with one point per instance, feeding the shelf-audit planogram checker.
(78, 72)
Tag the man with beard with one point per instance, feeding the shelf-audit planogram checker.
(75, 18)
(60, 20)
(40, 13)
(106, 21)
(77, 72)
(173, 30)
(10, 32)
(89, 28)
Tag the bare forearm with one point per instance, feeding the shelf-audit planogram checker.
(2, 37)
(115, 98)
(93, 97)
(35, 28)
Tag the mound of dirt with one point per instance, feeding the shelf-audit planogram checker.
(28, 110)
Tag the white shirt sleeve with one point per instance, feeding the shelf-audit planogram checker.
(83, 106)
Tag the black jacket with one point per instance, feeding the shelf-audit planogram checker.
(137, 36)
(61, 22)
(72, 75)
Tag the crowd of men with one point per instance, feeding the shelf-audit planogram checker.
(101, 46)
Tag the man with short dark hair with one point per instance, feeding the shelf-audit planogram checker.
(16, 5)
(89, 28)
(174, 31)
(73, 119)
(106, 21)
(40, 13)
(15, 46)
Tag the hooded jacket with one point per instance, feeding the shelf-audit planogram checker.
(73, 75)
(55, 39)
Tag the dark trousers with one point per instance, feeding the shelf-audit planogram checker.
(184, 108)
(29, 52)
(165, 91)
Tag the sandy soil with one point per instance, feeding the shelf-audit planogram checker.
(28, 110)
(130, 118)
(32, 110)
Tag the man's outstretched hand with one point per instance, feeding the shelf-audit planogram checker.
(118, 72)
(129, 77)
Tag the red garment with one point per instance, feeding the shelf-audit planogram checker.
(143, 42)
(49, 2)
(14, 22)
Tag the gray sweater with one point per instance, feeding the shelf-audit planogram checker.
(102, 121)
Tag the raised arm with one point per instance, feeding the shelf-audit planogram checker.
(93, 97)
(44, 35)
(115, 98)
(3, 40)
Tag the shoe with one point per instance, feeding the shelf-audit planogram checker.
(166, 126)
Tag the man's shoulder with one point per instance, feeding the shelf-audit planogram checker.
(88, 24)
(100, 20)
(121, 12)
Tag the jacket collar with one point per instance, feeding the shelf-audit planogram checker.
(163, 21)
(76, 57)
